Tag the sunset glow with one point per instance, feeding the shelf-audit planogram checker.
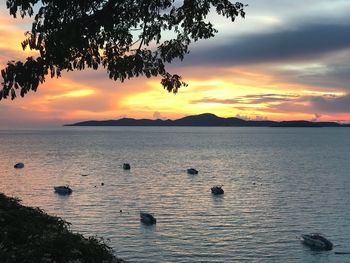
(251, 70)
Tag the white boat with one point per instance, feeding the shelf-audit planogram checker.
(317, 241)
(147, 219)
(63, 190)
(19, 165)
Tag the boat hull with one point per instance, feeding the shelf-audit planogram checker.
(63, 190)
(217, 190)
(192, 171)
(126, 166)
(19, 165)
(147, 219)
(316, 242)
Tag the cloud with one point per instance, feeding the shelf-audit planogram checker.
(317, 117)
(215, 100)
(332, 105)
(322, 104)
(13, 115)
(293, 103)
(327, 75)
(157, 115)
(254, 118)
(250, 99)
(302, 43)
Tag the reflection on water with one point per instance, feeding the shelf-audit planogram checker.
(278, 184)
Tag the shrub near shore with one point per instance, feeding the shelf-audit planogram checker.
(29, 235)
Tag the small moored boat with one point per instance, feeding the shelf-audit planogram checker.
(126, 166)
(147, 218)
(192, 171)
(316, 241)
(63, 190)
(217, 190)
(19, 165)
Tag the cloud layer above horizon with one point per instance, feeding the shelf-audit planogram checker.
(286, 60)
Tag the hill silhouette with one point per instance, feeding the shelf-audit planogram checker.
(207, 120)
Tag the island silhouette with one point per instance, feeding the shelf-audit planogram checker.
(207, 120)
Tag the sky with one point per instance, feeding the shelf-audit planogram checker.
(287, 60)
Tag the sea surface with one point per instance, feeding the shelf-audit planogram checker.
(278, 182)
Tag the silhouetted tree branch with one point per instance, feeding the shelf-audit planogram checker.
(75, 34)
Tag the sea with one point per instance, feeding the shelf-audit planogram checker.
(279, 183)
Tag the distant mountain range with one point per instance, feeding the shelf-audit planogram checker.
(207, 120)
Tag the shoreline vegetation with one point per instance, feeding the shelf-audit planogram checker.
(29, 235)
(208, 120)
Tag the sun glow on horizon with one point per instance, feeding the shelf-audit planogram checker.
(225, 98)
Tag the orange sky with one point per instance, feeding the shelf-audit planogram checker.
(293, 87)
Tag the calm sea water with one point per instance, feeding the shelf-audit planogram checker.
(278, 182)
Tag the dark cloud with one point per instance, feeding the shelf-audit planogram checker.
(336, 76)
(310, 104)
(88, 75)
(304, 42)
(287, 103)
(331, 105)
(268, 98)
(290, 107)
(250, 99)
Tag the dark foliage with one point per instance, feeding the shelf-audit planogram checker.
(30, 235)
(126, 37)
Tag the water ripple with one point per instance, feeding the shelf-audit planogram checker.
(278, 184)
